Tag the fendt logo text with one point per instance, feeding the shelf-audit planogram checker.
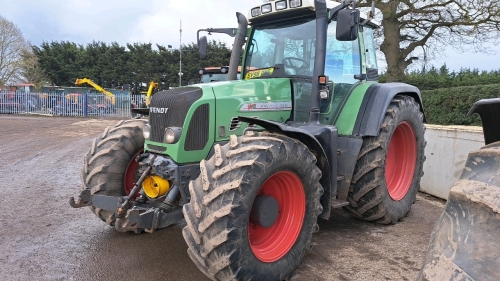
(158, 110)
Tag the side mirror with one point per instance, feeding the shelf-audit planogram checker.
(348, 24)
(202, 47)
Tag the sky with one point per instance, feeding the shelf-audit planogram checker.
(158, 22)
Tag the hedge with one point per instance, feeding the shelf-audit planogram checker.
(449, 106)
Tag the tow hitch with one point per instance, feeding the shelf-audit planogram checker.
(135, 216)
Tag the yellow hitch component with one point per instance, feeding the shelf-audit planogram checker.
(155, 186)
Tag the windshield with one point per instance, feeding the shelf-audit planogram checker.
(289, 44)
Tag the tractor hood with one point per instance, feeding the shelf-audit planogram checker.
(268, 99)
(208, 113)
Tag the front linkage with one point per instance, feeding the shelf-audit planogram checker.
(145, 213)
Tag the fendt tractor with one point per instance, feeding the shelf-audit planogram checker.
(252, 164)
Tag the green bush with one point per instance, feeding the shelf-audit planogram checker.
(436, 78)
(449, 106)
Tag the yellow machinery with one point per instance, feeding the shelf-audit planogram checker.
(142, 108)
(152, 85)
(109, 96)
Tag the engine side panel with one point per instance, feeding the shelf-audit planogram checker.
(268, 99)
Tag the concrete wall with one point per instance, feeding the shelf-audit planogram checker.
(446, 151)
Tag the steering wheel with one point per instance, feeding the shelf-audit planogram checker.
(300, 68)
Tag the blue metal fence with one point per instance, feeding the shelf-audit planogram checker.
(59, 104)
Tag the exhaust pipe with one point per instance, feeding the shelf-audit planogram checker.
(239, 41)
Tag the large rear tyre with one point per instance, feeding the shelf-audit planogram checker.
(464, 243)
(253, 208)
(110, 167)
(387, 175)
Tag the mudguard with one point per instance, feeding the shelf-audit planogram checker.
(464, 244)
(375, 103)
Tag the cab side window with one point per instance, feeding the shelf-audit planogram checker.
(342, 58)
(342, 62)
(370, 53)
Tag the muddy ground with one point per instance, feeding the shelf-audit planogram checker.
(43, 238)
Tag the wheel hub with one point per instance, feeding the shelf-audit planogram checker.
(271, 243)
(401, 161)
(264, 211)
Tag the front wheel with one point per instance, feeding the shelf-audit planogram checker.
(387, 175)
(110, 167)
(253, 208)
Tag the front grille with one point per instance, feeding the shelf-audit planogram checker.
(197, 134)
(177, 101)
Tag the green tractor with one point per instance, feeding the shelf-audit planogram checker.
(252, 164)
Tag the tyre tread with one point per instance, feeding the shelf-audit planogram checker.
(215, 194)
(368, 196)
(104, 163)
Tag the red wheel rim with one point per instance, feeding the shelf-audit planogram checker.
(272, 243)
(131, 175)
(401, 161)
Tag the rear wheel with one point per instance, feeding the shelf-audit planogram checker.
(253, 209)
(110, 167)
(387, 175)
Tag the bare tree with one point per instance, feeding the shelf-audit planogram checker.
(30, 70)
(12, 45)
(420, 29)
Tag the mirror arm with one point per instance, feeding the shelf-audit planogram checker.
(345, 4)
(371, 14)
(198, 37)
(229, 31)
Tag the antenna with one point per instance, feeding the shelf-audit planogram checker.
(180, 54)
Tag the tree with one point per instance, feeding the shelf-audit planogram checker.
(416, 29)
(62, 61)
(30, 70)
(141, 63)
(135, 64)
(12, 45)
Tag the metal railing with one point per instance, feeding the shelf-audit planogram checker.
(60, 104)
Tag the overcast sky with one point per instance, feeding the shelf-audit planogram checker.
(157, 22)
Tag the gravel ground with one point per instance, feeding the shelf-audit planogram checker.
(43, 238)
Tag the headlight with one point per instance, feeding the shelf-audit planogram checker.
(267, 8)
(146, 131)
(281, 5)
(295, 3)
(172, 134)
(256, 12)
